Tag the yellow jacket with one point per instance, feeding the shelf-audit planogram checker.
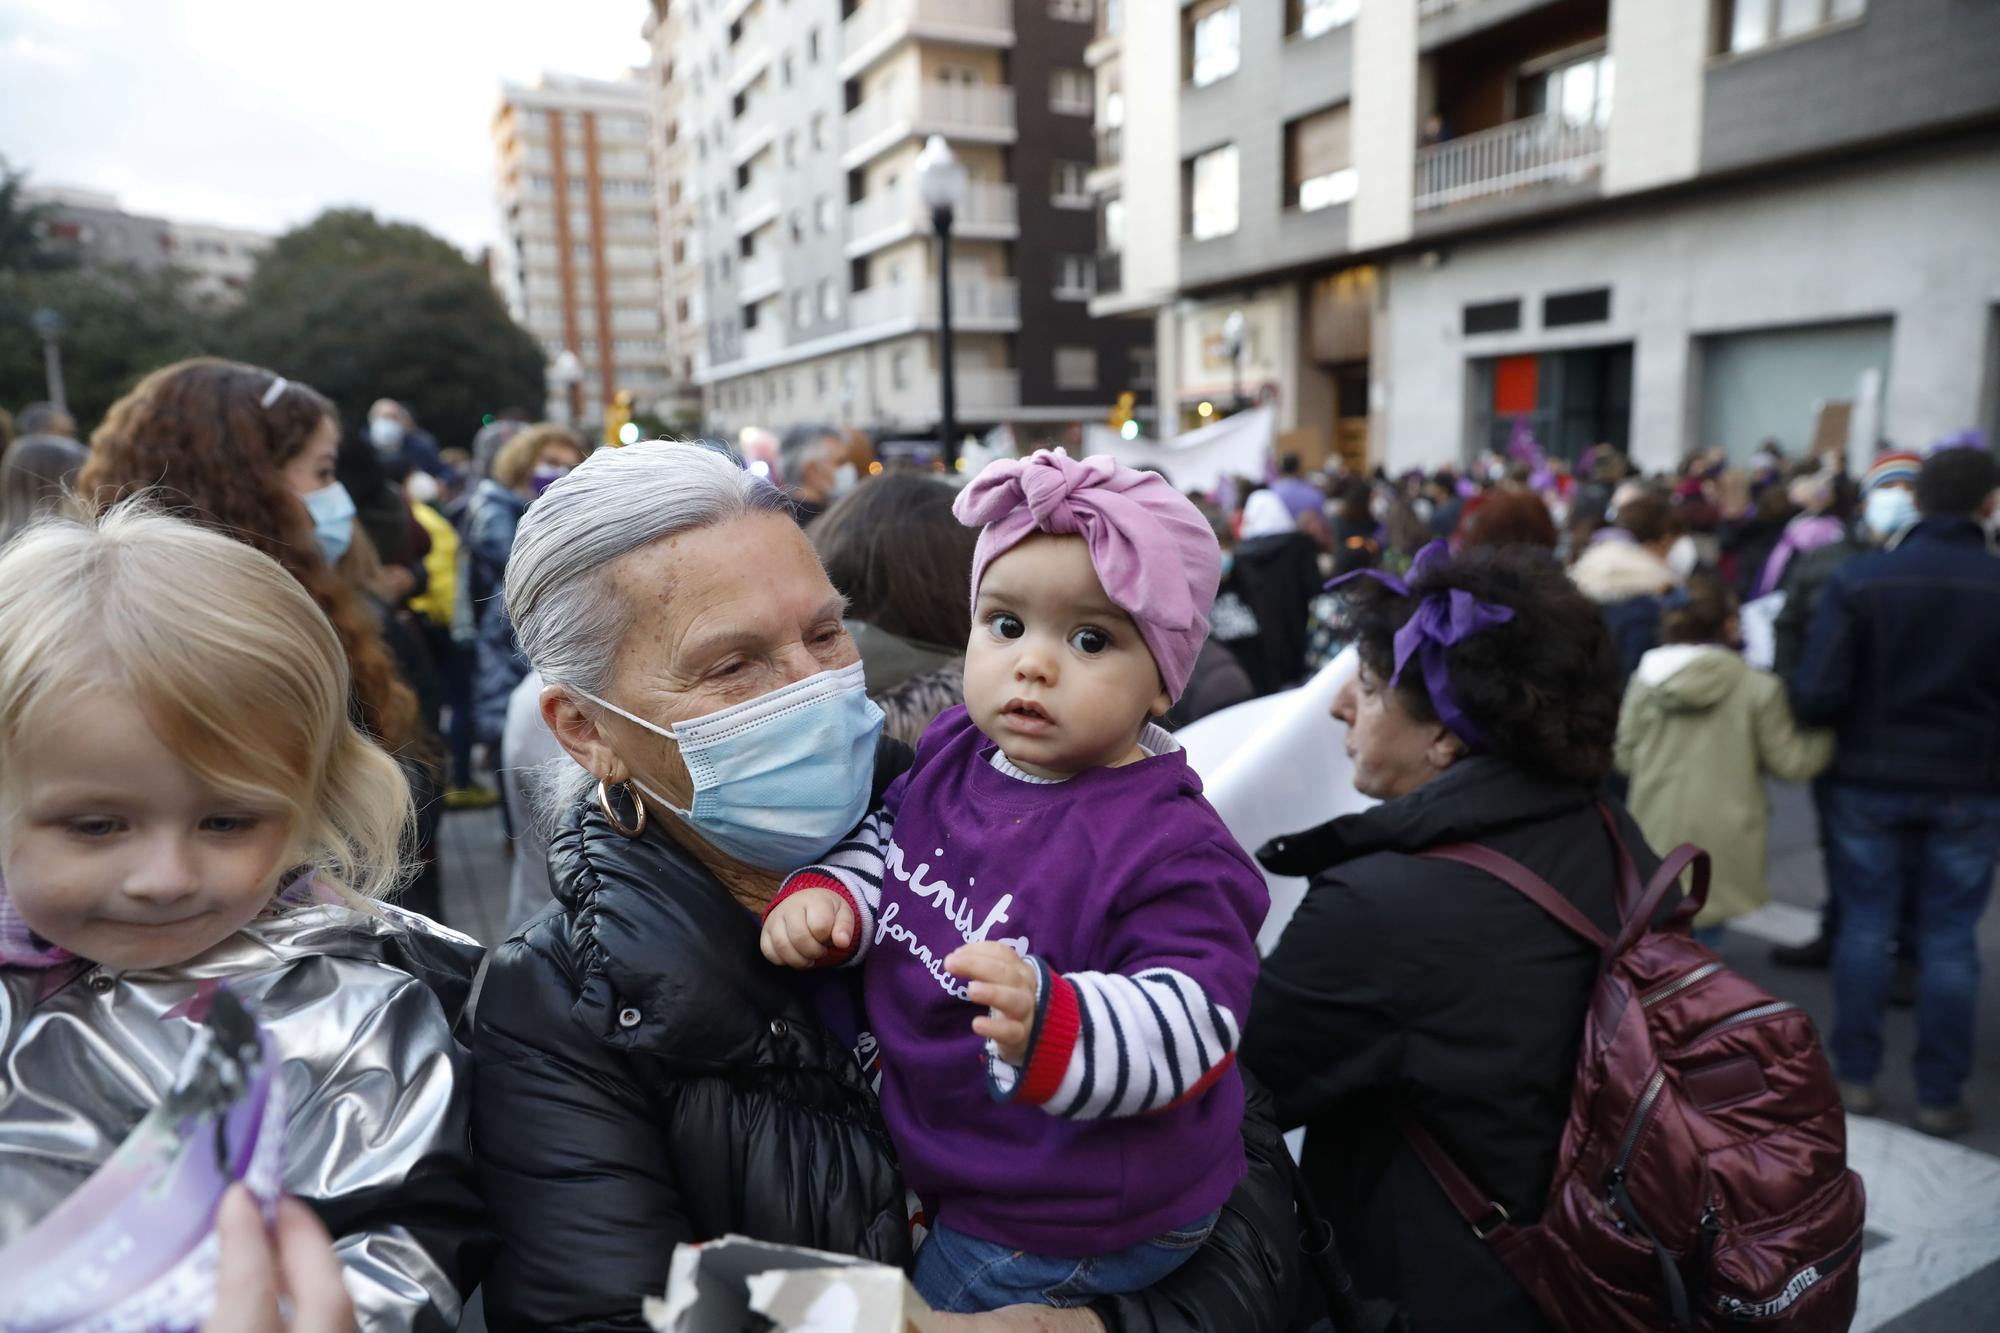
(436, 602)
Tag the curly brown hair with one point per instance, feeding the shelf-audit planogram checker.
(198, 438)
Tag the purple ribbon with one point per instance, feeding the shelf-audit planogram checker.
(1443, 618)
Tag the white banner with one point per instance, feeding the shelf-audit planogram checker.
(1238, 446)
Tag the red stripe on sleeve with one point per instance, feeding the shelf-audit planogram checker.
(1049, 1061)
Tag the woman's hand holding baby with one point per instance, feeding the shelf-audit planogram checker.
(1004, 982)
(801, 929)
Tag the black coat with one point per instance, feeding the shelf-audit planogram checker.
(1407, 987)
(1904, 659)
(644, 1077)
(1277, 577)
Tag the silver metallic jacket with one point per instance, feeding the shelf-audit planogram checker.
(375, 1084)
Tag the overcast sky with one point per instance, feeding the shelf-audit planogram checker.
(261, 113)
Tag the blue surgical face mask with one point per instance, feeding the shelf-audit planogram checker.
(1889, 509)
(778, 780)
(332, 510)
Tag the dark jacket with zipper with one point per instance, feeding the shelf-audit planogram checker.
(1406, 987)
(1903, 659)
(643, 1077)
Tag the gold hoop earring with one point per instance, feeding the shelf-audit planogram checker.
(632, 830)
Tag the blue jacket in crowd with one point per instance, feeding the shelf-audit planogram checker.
(491, 518)
(1903, 658)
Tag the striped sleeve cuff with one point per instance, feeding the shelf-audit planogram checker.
(821, 877)
(1050, 1044)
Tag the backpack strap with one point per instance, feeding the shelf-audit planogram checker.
(1664, 881)
(1524, 882)
(1629, 888)
(1487, 1217)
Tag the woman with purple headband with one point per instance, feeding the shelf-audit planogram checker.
(1484, 709)
(1046, 897)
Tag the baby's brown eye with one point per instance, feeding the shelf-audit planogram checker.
(1090, 642)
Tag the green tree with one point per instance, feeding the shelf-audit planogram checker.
(363, 309)
(23, 248)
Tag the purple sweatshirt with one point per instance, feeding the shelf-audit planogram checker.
(1141, 913)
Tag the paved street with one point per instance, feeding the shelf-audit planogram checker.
(1933, 1259)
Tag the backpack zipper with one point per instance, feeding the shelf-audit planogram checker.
(1641, 1113)
(1675, 987)
(1747, 1016)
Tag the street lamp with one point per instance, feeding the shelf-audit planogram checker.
(567, 375)
(48, 326)
(1232, 343)
(941, 183)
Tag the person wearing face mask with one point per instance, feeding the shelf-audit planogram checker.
(528, 464)
(252, 454)
(815, 468)
(402, 443)
(1900, 661)
(643, 1077)
(1888, 507)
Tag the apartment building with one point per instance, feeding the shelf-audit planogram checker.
(1663, 226)
(216, 260)
(579, 257)
(818, 292)
(683, 300)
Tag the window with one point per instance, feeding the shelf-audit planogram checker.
(1070, 92)
(791, 148)
(1211, 193)
(1585, 307)
(899, 368)
(1493, 317)
(797, 221)
(823, 215)
(819, 381)
(1076, 277)
(1143, 372)
(1076, 367)
(819, 130)
(802, 310)
(812, 47)
(1113, 225)
(1749, 24)
(1578, 90)
(1067, 189)
(1072, 11)
(1212, 44)
(829, 299)
(1317, 170)
(1307, 19)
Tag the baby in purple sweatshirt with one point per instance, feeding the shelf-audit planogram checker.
(1058, 932)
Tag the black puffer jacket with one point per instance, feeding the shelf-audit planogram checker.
(644, 1077)
(1406, 987)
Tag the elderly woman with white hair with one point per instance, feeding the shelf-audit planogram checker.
(644, 1077)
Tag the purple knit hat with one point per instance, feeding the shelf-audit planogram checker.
(1153, 551)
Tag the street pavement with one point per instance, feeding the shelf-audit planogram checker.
(1932, 1259)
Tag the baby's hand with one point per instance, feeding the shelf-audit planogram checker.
(799, 931)
(1004, 982)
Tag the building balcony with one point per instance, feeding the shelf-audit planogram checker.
(759, 276)
(1537, 152)
(978, 305)
(878, 27)
(1106, 170)
(757, 204)
(882, 219)
(986, 392)
(755, 131)
(750, 57)
(972, 113)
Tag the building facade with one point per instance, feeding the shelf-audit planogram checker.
(216, 260)
(579, 257)
(1663, 226)
(818, 295)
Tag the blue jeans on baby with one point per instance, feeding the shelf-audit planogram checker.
(961, 1274)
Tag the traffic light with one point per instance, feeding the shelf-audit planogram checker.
(1123, 412)
(617, 417)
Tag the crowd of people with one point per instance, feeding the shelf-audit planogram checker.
(864, 898)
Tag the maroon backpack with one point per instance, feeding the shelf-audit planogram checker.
(1702, 1178)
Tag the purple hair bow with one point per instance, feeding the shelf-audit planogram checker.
(1442, 619)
